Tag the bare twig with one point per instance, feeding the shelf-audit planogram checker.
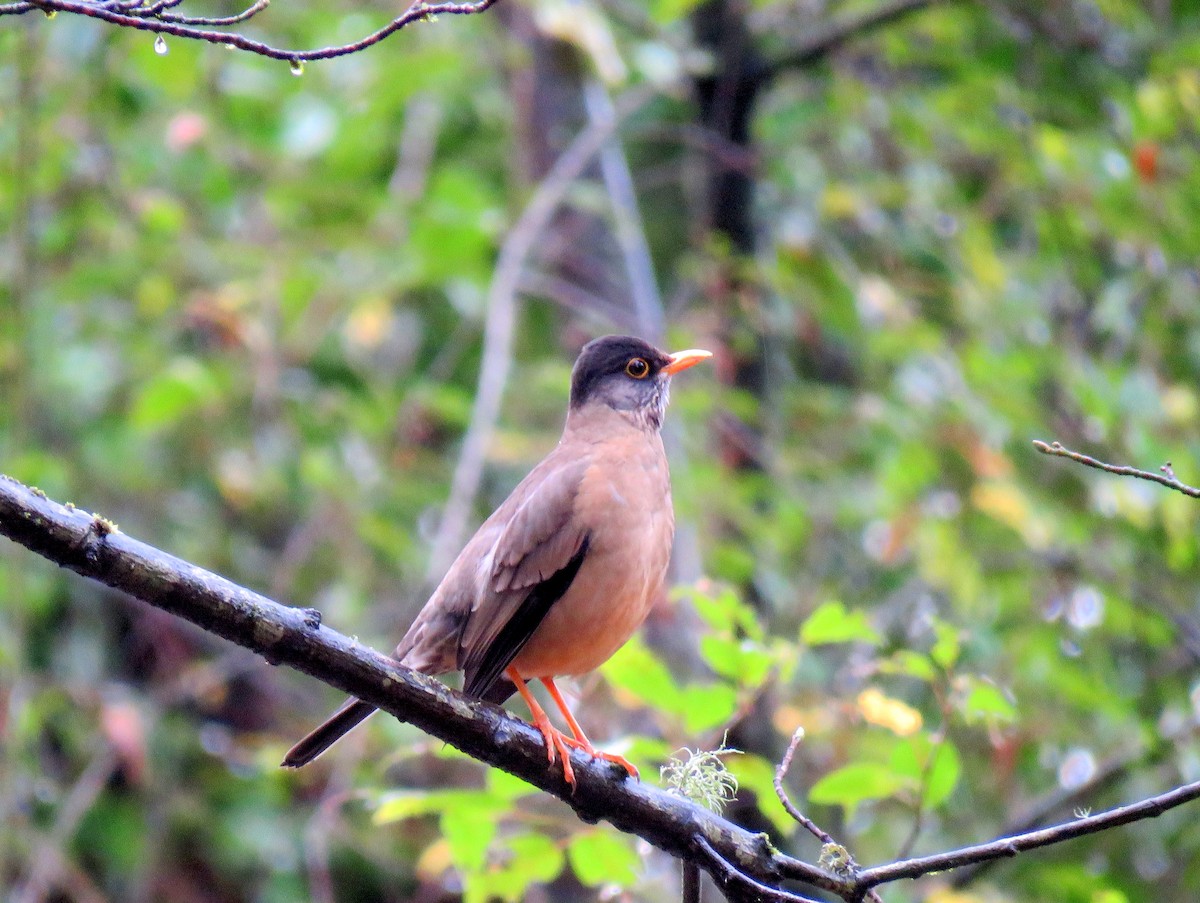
(1011, 846)
(75, 806)
(851, 867)
(780, 773)
(737, 885)
(219, 21)
(1166, 478)
(938, 744)
(1108, 774)
(150, 17)
(423, 116)
(577, 299)
(628, 228)
(316, 842)
(833, 35)
(1057, 802)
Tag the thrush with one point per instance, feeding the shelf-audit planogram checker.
(567, 568)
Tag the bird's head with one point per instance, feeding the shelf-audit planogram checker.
(628, 375)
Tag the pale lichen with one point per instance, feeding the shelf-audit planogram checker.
(701, 776)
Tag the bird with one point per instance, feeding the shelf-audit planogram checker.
(567, 568)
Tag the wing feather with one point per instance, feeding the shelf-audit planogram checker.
(535, 558)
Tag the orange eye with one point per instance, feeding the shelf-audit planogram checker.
(637, 368)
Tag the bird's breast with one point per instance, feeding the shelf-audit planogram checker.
(631, 524)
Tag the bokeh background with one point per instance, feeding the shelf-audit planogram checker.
(244, 314)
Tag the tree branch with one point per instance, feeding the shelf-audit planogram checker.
(744, 865)
(833, 35)
(1166, 478)
(1108, 774)
(151, 17)
(93, 547)
(1011, 846)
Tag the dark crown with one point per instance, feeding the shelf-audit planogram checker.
(608, 356)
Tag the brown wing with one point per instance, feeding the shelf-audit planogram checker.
(539, 550)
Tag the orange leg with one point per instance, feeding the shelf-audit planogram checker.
(581, 741)
(556, 742)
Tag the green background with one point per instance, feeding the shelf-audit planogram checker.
(242, 315)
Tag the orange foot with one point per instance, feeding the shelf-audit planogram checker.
(587, 747)
(557, 744)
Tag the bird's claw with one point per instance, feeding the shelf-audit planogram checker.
(558, 744)
(584, 746)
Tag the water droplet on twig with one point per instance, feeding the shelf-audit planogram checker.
(160, 45)
(297, 67)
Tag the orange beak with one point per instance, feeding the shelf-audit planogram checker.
(681, 360)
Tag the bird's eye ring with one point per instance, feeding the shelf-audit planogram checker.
(637, 368)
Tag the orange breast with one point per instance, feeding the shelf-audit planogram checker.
(631, 527)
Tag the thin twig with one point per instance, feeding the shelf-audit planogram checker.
(1108, 774)
(1011, 846)
(735, 883)
(577, 299)
(147, 18)
(1166, 478)
(628, 227)
(248, 13)
(939, 742)
(75, 806)
(831, 36)
(316, 842)
(851, 867)
(780, 773)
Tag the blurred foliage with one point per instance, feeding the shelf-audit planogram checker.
(241, 315)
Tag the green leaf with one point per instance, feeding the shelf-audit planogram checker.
(832, 623)
(468, 821)
(525, 859)
(469, 828)
(667, 11)
(413, 803)
(986, 702)
(638, 671)
(172, 394)
(855, 783)
(722, 655)
(505, 786)
(603, 857)
(932, 765)
(908, 663)
(726, 613)
(736, 659)
(946, 647)
(408, 804)
(707, 706)
(944, 775)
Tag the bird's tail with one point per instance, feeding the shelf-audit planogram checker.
(329, 732)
